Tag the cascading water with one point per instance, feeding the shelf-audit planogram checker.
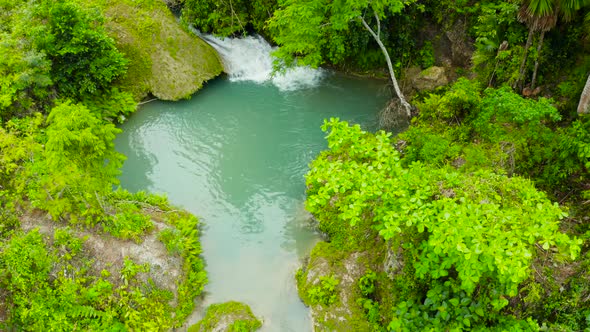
(250, 59)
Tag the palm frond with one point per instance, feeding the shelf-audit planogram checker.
(540, 7)
(539, 15)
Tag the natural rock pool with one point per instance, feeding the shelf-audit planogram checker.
(235, 155)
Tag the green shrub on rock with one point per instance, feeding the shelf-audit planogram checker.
(470, 239)
(228, 317)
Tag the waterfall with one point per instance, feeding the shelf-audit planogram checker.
(250, 59)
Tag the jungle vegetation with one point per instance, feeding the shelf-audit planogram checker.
(484, 199)
(60, 102)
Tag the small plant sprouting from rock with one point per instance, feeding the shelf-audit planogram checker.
(325, 292)
(370, 306)
(367, 283)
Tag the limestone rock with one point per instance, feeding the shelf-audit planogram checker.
(451, 44)
(344, 314)
(109, 253)
(428, 79)
(461, 46)
(164, 59)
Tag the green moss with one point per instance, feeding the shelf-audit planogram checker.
(164, 59)
(351, 254)
(339, 309)
(230, 316)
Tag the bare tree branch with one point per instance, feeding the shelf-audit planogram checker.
(378, 25)
(396, 88)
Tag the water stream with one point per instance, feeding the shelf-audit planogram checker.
(235, 155)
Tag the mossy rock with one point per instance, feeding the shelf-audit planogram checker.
(344, 314)
(155, 286)
(350, 254)
(227, 317)
(164, 59)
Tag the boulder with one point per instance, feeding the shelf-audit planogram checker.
(228, 316)
(165, 60)
(428, 79)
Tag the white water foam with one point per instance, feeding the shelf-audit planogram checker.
(250, 59)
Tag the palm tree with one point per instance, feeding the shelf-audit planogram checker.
(541, 16)
(538, 15)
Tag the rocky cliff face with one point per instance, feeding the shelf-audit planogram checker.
(452, 46)
(165, 60)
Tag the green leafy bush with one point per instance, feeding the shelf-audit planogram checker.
(193, 266)
(500, 106)
(171, 239)
(78, 165)
(128, 224)
(426, 54)
(498, 36)
(497, 130)
(112, 105)
(84, 59)
(454, 105)
(53, 49)
(467, 236)
(367, 285)
(67, 242)
(24, 77)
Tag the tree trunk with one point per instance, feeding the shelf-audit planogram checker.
(584, 105)
(534, 80)
(396, 88)
(520, 81)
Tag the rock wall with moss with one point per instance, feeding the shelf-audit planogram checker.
(164, 59)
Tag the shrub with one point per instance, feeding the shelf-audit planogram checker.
(470, 238)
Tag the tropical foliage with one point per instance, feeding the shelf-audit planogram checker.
(482, 202)
(53, 49)
(83, 58)
(58, 166)
(470, 238)
(322, 36)
(227, 18)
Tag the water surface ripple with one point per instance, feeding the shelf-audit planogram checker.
(235, 155)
